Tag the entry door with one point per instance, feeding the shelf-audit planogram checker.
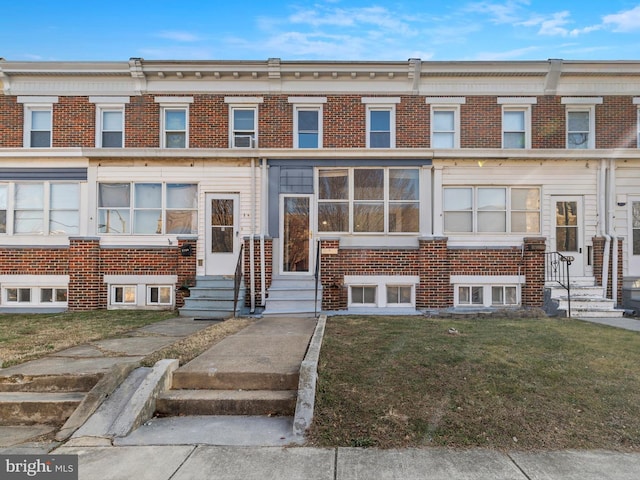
(222, 233)
(568, 235)
(634, 232)
(295, 235)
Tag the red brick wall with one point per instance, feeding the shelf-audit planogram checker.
(208, 122)
(74, 120)
(616, 123)
(11, 122)
(142, 122)
(34, 261)
(412, 123)
(344, 122)
(548, 123)
(481, 123)
(268, 260)
(275, 122)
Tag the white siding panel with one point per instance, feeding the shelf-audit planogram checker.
(627, 184)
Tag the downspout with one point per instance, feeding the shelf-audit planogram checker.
(264, 191)
(602, 204)
(612, 230)
(252, 267)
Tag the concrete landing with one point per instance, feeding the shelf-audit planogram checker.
(264, 356)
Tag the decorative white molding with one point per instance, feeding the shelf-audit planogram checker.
(173, 99)
(380, 100)
(309, 100)
(446, 100)
(486, 279)
(34, 280)
(581, 100)
(140, 279)
(250, 100)
(517, 100)
(109, 99)
(37, 99)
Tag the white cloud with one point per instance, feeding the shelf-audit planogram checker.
(500, 13)
(555, 24)
(625, 21)
(179, 36)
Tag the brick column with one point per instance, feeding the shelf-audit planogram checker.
(86, 289)
(534, 265)
(334, 293)
(186, 266)
(435, 290)
(268, 267)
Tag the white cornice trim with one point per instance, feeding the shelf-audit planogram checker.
(173, 99)
(581, 100)
(309, 100)
(251, 100)
(381, 100)
(517, 100)
(446, 100)
(109, 99)
(48, 99)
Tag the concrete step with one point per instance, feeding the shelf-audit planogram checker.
(595, 292)
(205, 313)
(48, 383)
(214, 281)
(206, 303)
(30, 408)
(234, 380)
(213, 293)
(226, 402)
(597, 313)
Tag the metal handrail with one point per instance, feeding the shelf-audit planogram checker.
(317, 277)
(556, 273)
(237, 280)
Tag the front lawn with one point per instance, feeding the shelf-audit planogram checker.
(28, 336)
(495, 383)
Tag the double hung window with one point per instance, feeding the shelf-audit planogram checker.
(491, 210)
(368, 200)
(147, 208)
(174, 121)
(580, 121)
(109, 121)
(381, 121)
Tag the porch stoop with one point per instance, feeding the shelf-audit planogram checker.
(587, 300)
(212, 297)
(295, 295)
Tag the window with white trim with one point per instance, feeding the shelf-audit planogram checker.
(380, 127)
(244, 131)
(504, 295)
(369, 200)
(381, 291)
(638, 128)
(486, 295)
(159, 295)
(471, 295)
(579, 128)
(110, 127)
(175, 126)
(399, 295)
(307, 126)
(363, 295)
(35, 296)
(147, 208)
(38, 126)
(40, 208)
(445, 127)
(491, 209)
(515, 133)
(123, 294)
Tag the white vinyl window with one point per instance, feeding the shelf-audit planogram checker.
(369, 200)
(380, 127)
(39, 127)
(307, 125)
(491, 209)
(515, 133)
(579, 132)
(363, 295)
(486, 295)
(399, 295)
(111, 127)
(244, 127)
(123, 294)
(35, 296)
(444, 127)
(147, 208)
(471, 295)
(159, 295)
(40, 208)
(175, 127)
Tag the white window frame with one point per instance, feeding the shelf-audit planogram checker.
(112, 295)
(582, 104)
(303, 104)
(351, 201)
(173, 103)
(148, 295)
(108, 104)
(36, 104)
(486, 284)
(380, 282)
(509, 210)
(518, 104)
(386, 104)
(244, 103)
(100, 130)
(142, 285)
(35, 296)
(445, 104)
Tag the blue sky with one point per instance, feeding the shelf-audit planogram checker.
(321, 30)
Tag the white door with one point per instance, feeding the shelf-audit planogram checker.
(296, 243)
(222, 242)
(634, 236)
(567, 234)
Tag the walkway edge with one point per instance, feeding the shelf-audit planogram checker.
(307, 382)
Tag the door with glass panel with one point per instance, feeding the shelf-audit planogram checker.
(634, 229)
(295, 235)
(222, 242)
(567, 234)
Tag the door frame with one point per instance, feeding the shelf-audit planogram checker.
(226, 262)
(634, 260)
(578, 265)
(281, 201)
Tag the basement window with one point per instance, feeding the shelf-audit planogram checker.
(159, 295)
(123, 294)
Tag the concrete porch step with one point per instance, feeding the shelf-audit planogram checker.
(234, 380)
(226, 402)
(30, 408)
(49, 383)
(208, 313)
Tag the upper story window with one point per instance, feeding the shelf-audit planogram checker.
(40, 208)
(381, 121)
(581, 124)
(445, 121)
(147, 208)
(307, 121)
(243, 121)
(174, 121)
(38, 121)
(109, 121)
(491, 210)
(516, 121)
(369, 200)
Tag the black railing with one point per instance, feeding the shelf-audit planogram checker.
(557, 270)
(237, 280)
(317, 277)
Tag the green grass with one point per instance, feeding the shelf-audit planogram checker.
(29, 336)
(516, 383)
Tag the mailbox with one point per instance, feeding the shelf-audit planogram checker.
(186, 250)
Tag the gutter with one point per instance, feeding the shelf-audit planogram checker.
(602, 203)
